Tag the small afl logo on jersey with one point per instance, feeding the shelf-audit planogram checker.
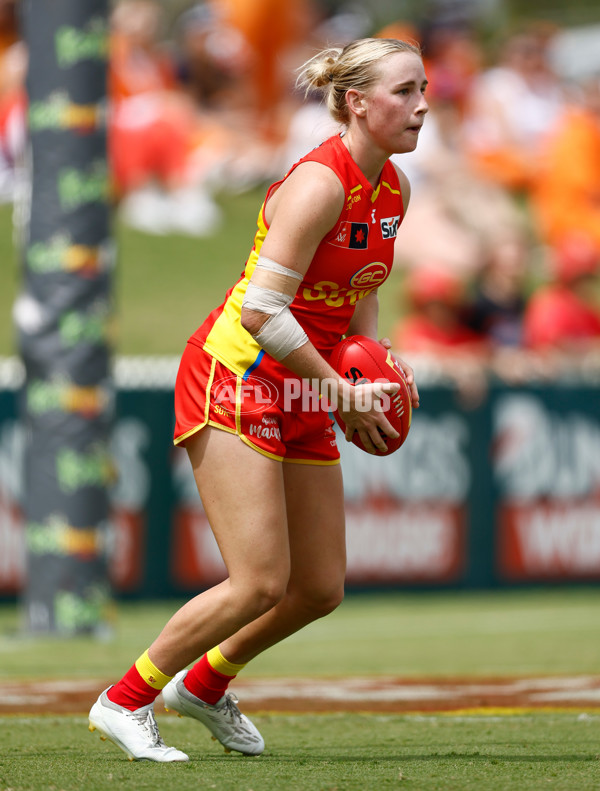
(353, 235)
(370, 276)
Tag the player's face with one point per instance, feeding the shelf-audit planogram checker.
(396, 104)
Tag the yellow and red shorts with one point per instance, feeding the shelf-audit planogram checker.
(269, 415)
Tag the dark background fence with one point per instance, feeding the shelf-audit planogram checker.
(504, 493)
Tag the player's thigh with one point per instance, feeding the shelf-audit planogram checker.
(316, 524)
(243, 496)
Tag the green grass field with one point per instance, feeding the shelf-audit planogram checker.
(166, 285)
(415, 634)
(318, 753)
(534, 632)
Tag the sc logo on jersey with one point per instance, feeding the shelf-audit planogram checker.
(389, 227)
(370, 276)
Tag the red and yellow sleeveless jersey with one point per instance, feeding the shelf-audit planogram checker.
(351, 261)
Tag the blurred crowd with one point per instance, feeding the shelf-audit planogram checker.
(499, 255)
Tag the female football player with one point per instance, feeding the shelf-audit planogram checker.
(264, 453)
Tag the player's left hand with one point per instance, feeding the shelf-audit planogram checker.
(408, 372)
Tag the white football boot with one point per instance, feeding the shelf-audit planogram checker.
(224, 720)
(135, 732)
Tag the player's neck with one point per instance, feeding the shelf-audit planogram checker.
(369, 160)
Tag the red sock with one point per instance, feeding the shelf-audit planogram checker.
(131, 691)
(206, 683)
(139, 686)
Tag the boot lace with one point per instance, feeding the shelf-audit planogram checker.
(148, 724)
(229, 707)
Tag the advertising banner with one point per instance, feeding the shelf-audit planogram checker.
(546, 465)
(507, 493)
(136, 453)
(63, 316)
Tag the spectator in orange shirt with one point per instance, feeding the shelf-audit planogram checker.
(567, 198)
(510, 109)
(271, 30)
(137, 62)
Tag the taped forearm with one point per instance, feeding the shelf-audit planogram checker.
(280, 334)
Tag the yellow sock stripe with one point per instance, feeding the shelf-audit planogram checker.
(150, 673)
(218, 662)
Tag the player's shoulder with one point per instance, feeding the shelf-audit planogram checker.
(312, 184)
(317, 176)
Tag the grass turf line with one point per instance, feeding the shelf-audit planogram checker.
(304, 753)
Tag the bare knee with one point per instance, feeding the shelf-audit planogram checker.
(257, 598)
(331, 601)
(318, 602)
(266, 596)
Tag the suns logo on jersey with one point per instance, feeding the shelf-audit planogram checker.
(333, 295)
(370, 276)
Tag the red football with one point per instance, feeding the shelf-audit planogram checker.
(360, 359)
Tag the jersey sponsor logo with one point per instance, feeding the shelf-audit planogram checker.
(354, 197)
(352, 235)
(333, 294)
(264, 432)
(370, 276)
(389, 227)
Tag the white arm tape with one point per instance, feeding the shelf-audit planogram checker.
(265, 300)
(280, 334)
(272, 266)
